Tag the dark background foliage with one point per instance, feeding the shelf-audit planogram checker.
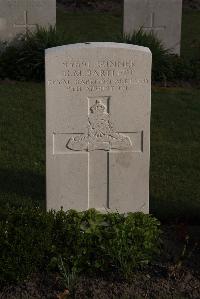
(23, 58)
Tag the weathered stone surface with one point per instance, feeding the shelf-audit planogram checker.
(98, 127)
(162, 17)
(19, 16)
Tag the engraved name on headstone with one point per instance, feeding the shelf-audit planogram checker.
(162, 17)
(20, 16)
(98, 127)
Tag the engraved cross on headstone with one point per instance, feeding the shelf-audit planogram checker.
(26, 26)
(99, 142)
(152, 26)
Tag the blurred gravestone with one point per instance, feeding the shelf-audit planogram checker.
(98, 127)
(19, 16)
(162, 17)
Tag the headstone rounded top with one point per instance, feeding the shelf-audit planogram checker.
(21, 16)
(99, 45)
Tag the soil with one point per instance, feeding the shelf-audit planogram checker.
(175, 274)
(114, 6)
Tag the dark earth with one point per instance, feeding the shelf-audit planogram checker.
(174, 274)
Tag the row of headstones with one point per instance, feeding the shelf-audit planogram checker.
(163, 17)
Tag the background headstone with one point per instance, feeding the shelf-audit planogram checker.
(98, 127)
(162, 17)
(19, 16)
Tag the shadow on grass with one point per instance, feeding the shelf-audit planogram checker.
(18, 184)
(171, 212)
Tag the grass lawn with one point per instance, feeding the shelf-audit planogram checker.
(175, 157)
(22, 156)
(88, 27)
(190, 46)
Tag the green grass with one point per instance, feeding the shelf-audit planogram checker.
(190, 46)
(22, 156)
(88, 27)
(175, 156)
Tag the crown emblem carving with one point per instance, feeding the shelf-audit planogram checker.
(100, 133)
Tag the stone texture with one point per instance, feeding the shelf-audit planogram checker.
(18, 16)
(162, 17)
(98, 127)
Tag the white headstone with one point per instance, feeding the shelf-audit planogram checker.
(98, 127)
(162, 17)
(19, 16)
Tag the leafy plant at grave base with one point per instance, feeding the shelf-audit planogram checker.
(32, 240)
(160, 55)
(25, 239)
(8, 67)
(23, 58)
(3, 46)
(183, 69)
(83, 233)
(70, 279)
(165, 66)
(131, 242)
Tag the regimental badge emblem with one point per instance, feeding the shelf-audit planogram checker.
(100, 133)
